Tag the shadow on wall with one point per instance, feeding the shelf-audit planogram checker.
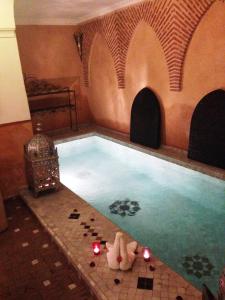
(207, 132)
(146, 119)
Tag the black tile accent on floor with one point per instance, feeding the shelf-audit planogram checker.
(31, 265)
(74, 216)
(152, 268)
(145, 283)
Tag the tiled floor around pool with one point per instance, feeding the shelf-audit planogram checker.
(31, 265)
(74, 234)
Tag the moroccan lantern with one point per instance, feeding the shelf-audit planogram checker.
(42, 167)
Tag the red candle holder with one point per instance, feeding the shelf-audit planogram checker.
(146, 254)
(96, 246)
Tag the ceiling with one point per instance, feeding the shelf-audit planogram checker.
(64, 12)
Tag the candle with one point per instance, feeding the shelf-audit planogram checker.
(146, 254)
(96, 248)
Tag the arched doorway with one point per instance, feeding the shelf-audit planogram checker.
(207, 132)
(145, 119)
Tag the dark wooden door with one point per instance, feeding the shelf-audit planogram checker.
(207, 131)
(145, 119)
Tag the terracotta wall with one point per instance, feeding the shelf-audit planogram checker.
(50, 52)
(12, 175)
(15, 124)
(174, 48)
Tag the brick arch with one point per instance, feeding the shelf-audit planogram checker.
(144, 21)
(89, 31)
(110, 30)
(96, 34)
(182, 27)
(117, 38)
(174, 22)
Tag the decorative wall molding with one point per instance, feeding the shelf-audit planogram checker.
(14, 123)
(174, 22)
(7, 33)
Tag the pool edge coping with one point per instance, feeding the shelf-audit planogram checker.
(192, 165)
(78, 267)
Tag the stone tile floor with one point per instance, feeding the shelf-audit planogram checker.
(74, 225)
(31, 265)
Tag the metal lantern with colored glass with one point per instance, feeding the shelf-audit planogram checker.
(42, 167)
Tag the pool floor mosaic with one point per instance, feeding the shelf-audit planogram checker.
(74, 225)
(156, 202)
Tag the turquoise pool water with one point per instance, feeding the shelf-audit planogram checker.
(177, 212)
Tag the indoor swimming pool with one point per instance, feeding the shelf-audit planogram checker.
(177, 212)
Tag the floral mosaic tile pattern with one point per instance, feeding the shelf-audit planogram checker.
(197, 265)
(125, 207)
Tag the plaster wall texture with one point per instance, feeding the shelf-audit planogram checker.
(54, 54)
(203, 71)
(50, 52)
(7, 14)
(12, 169)
(13, 99)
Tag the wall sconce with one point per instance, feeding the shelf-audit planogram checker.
(78, 37)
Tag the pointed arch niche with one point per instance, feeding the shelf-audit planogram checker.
(145, 62)
(207, 132)
(146, 119)
(103, 98)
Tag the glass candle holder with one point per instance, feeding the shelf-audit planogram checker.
(146, 254)
(96, 248)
